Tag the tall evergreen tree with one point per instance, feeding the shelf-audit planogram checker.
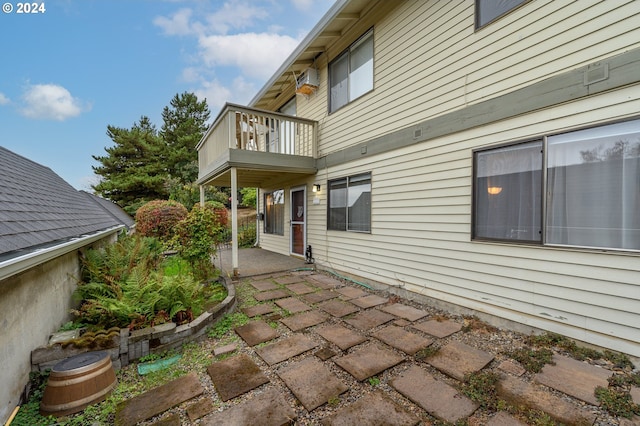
(184, 124)
(132, 172)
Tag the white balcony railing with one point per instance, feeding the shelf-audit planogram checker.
(249, 129)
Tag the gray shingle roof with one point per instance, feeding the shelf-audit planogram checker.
(37, 207)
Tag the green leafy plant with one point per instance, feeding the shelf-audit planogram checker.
(481, 388)
(533, 360)
(195, 239)
(29, 413)
(227, 323)
(617, 402)
(374, 381)
(427, 352)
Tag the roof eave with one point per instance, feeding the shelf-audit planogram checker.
(331, 14)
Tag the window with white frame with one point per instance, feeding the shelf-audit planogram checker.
(350, 203)
(490, 10)
(351, 73)
(274, 212)
(592, 189)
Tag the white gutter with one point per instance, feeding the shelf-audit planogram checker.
(20, 264)
(328, 17)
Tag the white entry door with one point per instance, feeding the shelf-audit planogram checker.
(298, 220)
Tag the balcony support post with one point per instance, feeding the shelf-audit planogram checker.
(202, 200)
(234, 220)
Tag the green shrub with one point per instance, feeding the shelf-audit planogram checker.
(158, 218)
(195, 239)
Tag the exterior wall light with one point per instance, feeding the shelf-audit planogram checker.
(316, 188)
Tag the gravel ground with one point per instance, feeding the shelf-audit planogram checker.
(475, 333)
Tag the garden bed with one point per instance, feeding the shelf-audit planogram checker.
(125, 346)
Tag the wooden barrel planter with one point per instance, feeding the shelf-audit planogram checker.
(76, 382)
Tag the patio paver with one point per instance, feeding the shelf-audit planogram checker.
(574, 378)
(289, 279)
(337, 308)
(271, 295)
(340, 336)
(270, 407)
(307, 319)
(199, 409)
(351, 292)
(256, 332)
(401, 339)
(370, 410)
(320, 296)
(516, 391)
(293, 305)
(366, 320)
(502, 418)
(264, 285)
(369, 361)
(284, 349)
(369, 301)
(436, 397)
(235, 376)
(437, 328)
(300, 288)
(324, 281)
(158, 400)
(457, 359)
(404, 311)
(311, 382)
(262, 309)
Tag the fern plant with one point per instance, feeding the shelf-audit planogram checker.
(126, 286)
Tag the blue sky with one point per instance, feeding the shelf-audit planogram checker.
(67, 73)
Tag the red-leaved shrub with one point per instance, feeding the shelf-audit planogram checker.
(158, 218)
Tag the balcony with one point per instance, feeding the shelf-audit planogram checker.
(264, 147)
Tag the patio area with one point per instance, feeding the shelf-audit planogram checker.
(317, 350)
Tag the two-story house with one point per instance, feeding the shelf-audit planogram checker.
(478, 154)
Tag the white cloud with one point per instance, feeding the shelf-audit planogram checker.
(178, 24)
(235, 15)
(257, 55)
(302, 4)
(50, 101)
(217, 94)
(3, 99)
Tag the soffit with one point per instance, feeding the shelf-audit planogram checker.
(320, 39)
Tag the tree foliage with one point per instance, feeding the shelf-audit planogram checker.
(184, 124)
(144, 164)
(131, 173)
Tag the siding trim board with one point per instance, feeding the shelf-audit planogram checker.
(563, 88)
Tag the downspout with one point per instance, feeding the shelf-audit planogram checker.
(257, 242)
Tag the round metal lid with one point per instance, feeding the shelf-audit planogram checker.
(80, 361)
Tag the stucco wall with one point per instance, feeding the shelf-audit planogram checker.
(33, 304)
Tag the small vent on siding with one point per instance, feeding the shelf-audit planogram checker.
(595, 73)
(417, 133)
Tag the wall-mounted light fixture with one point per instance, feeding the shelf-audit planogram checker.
(494, 190)
(315, 188)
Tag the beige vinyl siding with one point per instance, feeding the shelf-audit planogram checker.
(421, 226)
(428, 60)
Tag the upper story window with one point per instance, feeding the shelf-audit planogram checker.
(591, 191)
(350, 203)
(351, 73)
(490, 10)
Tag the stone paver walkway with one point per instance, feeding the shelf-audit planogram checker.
(341, 354)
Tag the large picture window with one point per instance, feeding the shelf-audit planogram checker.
(274, 212)
(592, 189)
(350, 203)
(490, 10)
(351, 73)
